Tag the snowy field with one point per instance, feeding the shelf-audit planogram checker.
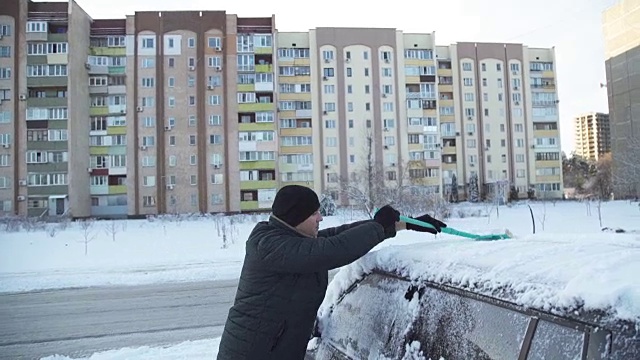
(569, 260)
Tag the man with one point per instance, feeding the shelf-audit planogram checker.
(285, 273)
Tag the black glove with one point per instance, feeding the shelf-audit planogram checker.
(428, 219)
(387, 217)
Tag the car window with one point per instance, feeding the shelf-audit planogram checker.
(457, 327)
(382, 315)
(553, 341)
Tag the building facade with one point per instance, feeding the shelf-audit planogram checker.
(593, 135)
(43, 93)
(187, 111)
(622, 55)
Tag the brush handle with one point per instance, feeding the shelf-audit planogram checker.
(446, 230)
(452, 231)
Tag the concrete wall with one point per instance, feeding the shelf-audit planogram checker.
(78, 109)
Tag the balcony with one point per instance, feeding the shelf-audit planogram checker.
(57, 58)
(107, 51)
(261, 126)
(116, 89)
(304, 113)
(54, 36)
(118, 171)
(99, 189)
(117, 189)
(254, 107)
(98, 70)
(98, 111)
(257, 184)
(98, 89)
(545, 103)
(247, 87)
(116, 70)
(48, 167)
(48, 145)
(266, 68)
(421, 95)
(257, 145)
(263, 50)
(248, 205)
(43, 102)
(263, 86)
(37, 36)
(116, 130)
(47, 81)
(246, 68)
(98, 150)
(117, 109)
(257, 165)
(48, 190)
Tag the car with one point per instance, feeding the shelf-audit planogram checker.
(465, 300)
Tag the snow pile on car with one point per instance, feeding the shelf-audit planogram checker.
(558, 273)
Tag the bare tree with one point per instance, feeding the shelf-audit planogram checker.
(365, 188)
(112, 229)
(599, 207)
(497, 192)
(453, 194)
(403, 185)
(52, 230)
(543, 217)
(87, 233)
(227, 229)
(474, 191)
(225, 239)
(601, 184)
(626, 169)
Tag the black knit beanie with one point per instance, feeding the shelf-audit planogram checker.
(294, 204)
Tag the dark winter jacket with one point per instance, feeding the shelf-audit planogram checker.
(283, 283)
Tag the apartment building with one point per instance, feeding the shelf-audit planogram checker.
(202, 136)
(506, 118)
(9, 106)
(106, 66)
(339, 102)
(188, 111)
(424, 112)
(593, 135)
(622, 54)
(44, 108)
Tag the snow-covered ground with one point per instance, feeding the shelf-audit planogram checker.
(568, 261)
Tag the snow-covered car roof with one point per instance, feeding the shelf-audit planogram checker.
(563, 274)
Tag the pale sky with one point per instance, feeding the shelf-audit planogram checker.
(574, 27)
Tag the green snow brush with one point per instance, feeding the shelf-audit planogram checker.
(452, 231)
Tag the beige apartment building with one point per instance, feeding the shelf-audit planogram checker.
(593, 135)
(431, 111)
(188, 111)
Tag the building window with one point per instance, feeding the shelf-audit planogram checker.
(5, 30)
(148, 43)
(214, 42)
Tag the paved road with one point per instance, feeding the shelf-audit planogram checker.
(79, 322)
